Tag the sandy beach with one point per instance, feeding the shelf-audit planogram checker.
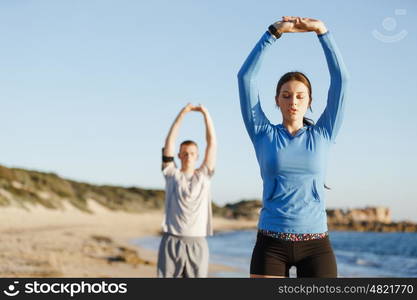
(39, 242)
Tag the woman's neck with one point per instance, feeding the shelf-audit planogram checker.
(293, 126)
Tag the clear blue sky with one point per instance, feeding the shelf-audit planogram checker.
(88, 89)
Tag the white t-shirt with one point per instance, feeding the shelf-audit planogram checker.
(188, 209)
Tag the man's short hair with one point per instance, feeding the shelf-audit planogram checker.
(187, 143)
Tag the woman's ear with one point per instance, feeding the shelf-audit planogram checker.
(276, 101)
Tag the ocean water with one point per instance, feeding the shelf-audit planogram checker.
(358, 254)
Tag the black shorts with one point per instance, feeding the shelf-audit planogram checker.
(313, 258)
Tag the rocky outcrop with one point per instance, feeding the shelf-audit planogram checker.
(367, 219)
(377, 214)
(403, 226)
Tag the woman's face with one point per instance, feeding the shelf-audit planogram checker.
(293, 100)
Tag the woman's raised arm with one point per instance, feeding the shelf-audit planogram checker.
(331, 119)
(250, 105)
(332, 116)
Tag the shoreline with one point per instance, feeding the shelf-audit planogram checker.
(40, 242)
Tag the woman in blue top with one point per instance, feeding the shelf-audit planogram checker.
(292, 228)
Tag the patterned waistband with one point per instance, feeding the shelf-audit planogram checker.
(293, 237)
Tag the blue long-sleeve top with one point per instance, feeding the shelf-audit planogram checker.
(293, 168)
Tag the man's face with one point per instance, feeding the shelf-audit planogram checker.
(188, 155)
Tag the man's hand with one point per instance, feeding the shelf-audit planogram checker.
(189, 107)
(200, 108)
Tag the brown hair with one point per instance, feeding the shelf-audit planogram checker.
(187, 143)
(298, 76)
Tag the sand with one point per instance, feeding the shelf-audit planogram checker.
(39, 242)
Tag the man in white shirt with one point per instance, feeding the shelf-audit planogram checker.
(183, 251)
